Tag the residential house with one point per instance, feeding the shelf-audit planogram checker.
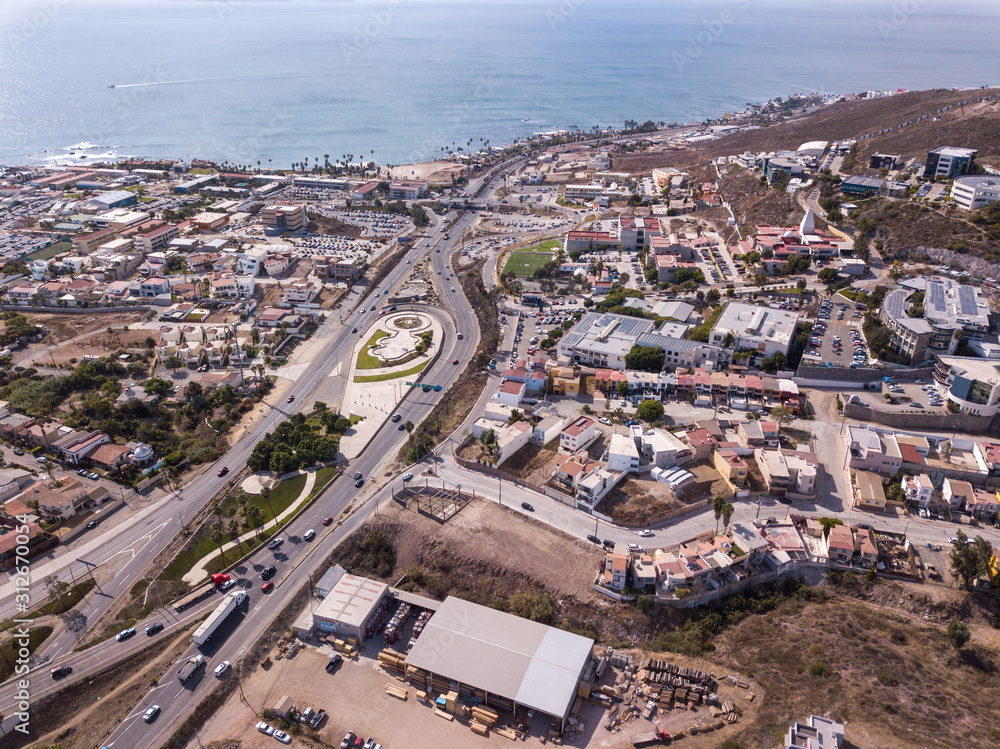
(918, 490)
(957, 493)
(577, 435)
(866, 546)
(510, 392)
(731, 467)
(661, 448)
(615, 571)
(153, 286)
(622, 455)
(840, 544)
(108, 455)
(787, 471)
(985, 504)
(748, 548)
(869, 494)
(755, 434)
(275, 317)
(703, 443)
(11, 548)
(571, 469)
(41, 435)
(593, 487)
(512, 438)
(643, 569)
(75, 445)
(871, 451)
(301, 292)
(277, 263)
(565, 381)
(547, 430)
(212, 380)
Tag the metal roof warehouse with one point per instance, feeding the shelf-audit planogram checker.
(524, 662)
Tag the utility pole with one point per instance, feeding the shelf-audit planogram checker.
(501, 492)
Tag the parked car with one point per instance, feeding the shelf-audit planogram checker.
(593, 539)
(317, 719)
(348, 740)
(283, 737)
(608, 543)
(93, 524)
(18, 451)
(335, 660)
(265, 728)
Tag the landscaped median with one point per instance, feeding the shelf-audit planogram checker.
(393, 375)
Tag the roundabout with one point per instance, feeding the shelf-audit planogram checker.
(395, 349)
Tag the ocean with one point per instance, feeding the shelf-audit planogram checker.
(397, 80)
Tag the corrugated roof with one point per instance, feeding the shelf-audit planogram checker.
(533, 664)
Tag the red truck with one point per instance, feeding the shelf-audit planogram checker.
(659, 736)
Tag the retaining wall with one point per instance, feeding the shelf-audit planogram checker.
(941, 422)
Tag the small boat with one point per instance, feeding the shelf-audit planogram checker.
(111, 85)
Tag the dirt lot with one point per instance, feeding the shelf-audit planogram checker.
(66, 326)
(495, 537)
(96, 343)
(641, 501)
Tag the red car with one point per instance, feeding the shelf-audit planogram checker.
(454, 361)
(290, 398)
(327, 521)
(267, 587)
(222, 471)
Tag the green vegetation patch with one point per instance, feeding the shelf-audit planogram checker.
(51, 251)
(366, 360)
(524, 263)
(392, 375)
(8, 651)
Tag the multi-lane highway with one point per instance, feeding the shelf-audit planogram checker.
(141, 537)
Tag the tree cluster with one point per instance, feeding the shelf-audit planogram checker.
(297, 444)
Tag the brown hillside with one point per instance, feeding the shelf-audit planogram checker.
(974, 126)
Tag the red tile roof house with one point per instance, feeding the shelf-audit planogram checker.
(841, 544)
(108, 455)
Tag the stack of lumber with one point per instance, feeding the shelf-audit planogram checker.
(507, 733)
(442, 714)
(390, 660)
(734, 681)
(450, 702)
(485, 716)
(395, 691)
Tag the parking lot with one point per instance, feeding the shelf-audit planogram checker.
(835, 333)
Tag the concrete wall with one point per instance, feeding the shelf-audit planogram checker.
(942, 422)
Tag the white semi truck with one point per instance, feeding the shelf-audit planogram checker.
(224, 609)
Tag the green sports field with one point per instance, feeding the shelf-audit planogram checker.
(524, 264)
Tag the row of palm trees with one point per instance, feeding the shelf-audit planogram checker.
(228, 525)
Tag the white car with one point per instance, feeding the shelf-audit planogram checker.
(309, 535)
(283, 737)
(265, 728)
(646, 533)
(407, 476)
(221, 668)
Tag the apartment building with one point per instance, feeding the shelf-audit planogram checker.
(157, 239)
(869, 494)
(788, 471)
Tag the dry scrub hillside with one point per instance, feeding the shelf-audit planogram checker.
(969, 127)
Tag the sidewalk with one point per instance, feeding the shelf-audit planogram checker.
(198, 572)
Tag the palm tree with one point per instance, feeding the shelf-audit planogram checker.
(718, 504)
(727, 514)
(265, 494)
(218, 537)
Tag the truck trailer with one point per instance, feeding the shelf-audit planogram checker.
(657, 737)
(224, 609)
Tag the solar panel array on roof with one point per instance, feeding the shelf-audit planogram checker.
(937, 296)
(967, 300)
